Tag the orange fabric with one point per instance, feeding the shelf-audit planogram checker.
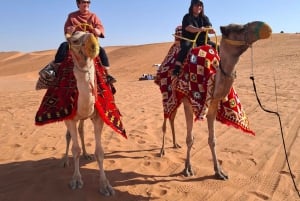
(77, 18)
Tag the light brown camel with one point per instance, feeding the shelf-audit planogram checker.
(84, 48)
(236, 39)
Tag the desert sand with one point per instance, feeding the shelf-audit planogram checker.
(30, 163)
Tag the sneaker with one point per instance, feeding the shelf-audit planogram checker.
(48, 72)
(110, 79)
(177, 70)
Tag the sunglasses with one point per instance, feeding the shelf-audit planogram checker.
(88, 2)
(198, 5)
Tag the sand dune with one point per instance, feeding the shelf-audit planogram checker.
(31, 155)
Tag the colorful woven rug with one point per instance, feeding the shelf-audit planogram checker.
(197, 83)
(60, 101)
(163, 79)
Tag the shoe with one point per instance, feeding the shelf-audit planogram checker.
(48, 72)
(177, 70)
(110, 79)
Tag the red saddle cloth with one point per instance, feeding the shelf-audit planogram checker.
(197, 83)
(60, 102)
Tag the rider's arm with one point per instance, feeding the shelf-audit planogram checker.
(193, 29)
(98, 26)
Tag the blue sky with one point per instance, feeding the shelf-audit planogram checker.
(36, 25)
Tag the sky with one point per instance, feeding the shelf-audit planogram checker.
(37, 25)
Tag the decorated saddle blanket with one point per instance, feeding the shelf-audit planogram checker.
(197, 83)
(163, 79)
(60, 101)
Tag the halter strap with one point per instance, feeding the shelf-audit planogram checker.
(239, 42)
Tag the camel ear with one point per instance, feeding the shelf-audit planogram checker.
(67, 35)
(224, 30)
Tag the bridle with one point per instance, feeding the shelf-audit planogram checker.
(244, 42)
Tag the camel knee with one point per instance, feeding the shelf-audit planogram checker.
(189, 141)
(76, 151)
(212, 141)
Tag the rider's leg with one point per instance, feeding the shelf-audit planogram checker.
(105, 64)
(182, 54)
(211, 43)
(61, 52)
(49, 71)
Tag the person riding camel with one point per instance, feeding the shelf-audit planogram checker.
(80, 20)
(193, 22)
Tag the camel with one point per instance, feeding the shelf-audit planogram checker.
(236, 39)
(84, 48)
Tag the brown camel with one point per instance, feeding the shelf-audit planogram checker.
(236, 39)
(84, 48)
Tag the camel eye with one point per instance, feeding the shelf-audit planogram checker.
(75, 41)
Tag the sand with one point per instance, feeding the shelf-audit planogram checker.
(30, 163)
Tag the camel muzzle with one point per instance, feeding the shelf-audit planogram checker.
(92, 46)
(263, 30)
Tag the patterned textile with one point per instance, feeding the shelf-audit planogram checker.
(197, 83)
(163, 79)
(60, 101)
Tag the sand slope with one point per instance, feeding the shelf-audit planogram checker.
(31, 155)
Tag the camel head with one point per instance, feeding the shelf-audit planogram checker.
(84, 48)
(236, 39)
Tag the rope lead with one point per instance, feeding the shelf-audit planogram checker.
(282, 136)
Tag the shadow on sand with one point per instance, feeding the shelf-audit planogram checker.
(47, 180)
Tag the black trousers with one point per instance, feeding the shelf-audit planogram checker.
(63, 50)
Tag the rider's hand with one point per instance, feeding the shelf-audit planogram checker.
(211, 31)
(97, 32)
(70, 30)
(202, 29)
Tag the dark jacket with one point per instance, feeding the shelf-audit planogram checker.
(200, 21)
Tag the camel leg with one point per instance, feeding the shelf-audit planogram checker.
(172, 124)
(211, 116)
(81, 134)
(65, 160)
(189, 137)
(164, 129)
(76, 181)
(105, 187)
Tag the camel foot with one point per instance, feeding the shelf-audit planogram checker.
(76, 184)
(88, 157)
(188, 172)
(65, 162)
(221, 176)
(107, 190)
(176, 146)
